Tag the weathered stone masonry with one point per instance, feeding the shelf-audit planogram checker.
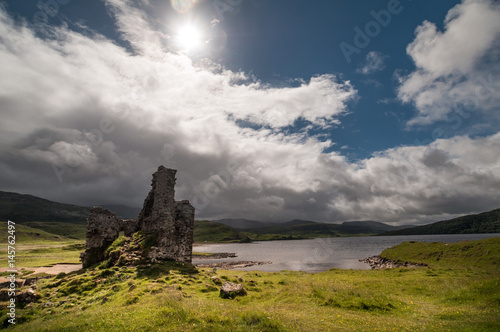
(170, 222)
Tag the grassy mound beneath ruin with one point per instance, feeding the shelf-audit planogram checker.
(451, 294)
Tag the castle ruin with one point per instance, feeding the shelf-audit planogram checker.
(167, 222)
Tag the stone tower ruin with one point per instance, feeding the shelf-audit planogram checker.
(170, 223)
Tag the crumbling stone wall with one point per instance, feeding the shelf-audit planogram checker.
(102, 230)
(159, 206)
(184, 216)
(170, 222)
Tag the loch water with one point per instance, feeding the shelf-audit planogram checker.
(316, 255)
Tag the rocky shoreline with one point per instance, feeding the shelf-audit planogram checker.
(380, 263)
(231, 265)
(217, 255)
(224, 265)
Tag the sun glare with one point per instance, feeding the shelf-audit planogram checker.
(189, 37)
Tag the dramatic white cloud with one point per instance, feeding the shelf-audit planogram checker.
(81, 107)
(457, 69)
(374, 63)
(447, 177)
(87, 121)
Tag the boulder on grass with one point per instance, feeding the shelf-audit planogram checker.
(230, 290)
(26, 297)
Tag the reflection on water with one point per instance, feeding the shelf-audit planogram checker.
(321, 254)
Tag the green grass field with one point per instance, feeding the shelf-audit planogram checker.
(457, 292)
(69, 230)
(36, 247)
(482, 254)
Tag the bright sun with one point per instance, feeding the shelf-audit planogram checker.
(189, 37)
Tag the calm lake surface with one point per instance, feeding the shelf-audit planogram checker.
(318, 255)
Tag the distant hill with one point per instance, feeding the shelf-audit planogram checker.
(307, 228)
(25, 234)
(210, 231)
(239, 230)
(69, 221)
(369, 227)
(298, 222)
(486, 222)
(312, 229)
(242, 223)
(57, 219)
(21, 208)
(69, 230)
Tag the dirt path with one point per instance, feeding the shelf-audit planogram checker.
(55, 269)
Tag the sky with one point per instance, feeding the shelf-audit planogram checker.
(271, 110)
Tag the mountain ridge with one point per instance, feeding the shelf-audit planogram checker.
(363, 225)
(484, 222)
(23, 207)
(312, 229)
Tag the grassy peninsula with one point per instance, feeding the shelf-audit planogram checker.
(457, 291)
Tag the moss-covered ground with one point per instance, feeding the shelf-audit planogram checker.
(460, 291)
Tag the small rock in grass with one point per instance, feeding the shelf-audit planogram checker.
(230, 290)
